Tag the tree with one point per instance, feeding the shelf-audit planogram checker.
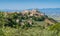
(39, 18)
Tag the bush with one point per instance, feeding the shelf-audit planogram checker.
(55, 27)
(41, 18)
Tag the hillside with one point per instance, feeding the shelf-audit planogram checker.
(25, 23)
(28, 16)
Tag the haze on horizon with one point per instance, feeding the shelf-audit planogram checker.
(28, 4)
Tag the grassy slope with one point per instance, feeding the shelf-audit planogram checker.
(35, 30)
(32, 31)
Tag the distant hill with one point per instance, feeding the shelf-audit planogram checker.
(52, 12)
(47, 11)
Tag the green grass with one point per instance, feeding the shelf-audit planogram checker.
(32, 31)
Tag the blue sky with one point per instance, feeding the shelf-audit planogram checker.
(28, 4)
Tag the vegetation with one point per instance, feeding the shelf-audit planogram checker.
(19, 24)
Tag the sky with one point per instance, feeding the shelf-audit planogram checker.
(29, 4)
